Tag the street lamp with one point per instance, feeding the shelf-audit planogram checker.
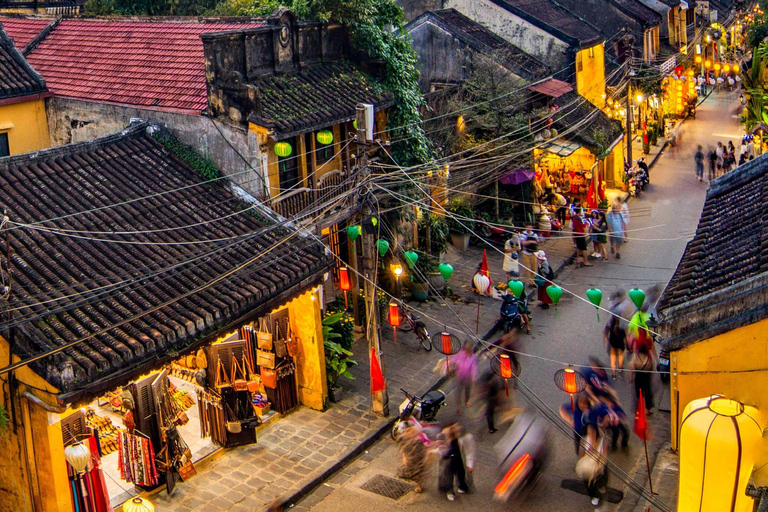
(639, 98)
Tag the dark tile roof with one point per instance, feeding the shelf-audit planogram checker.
(321, 95)
(670, 3)
(638, 11)
(17, 78)
(731, 241)
(553, 18)
(597, 135)
(610, 16)
(118, 281)
(152, 64)
(24, 30)
(485, 41)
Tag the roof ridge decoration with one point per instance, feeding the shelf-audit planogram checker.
(18, 78)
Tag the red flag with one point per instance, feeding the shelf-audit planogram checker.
(641, 425)
(485, 271)
(377, 378)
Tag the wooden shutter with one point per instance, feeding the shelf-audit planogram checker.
(280, 324)
(225, 352)
(73, 426)
(144, 413)
(160, 387)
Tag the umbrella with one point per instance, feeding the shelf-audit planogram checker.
(517, 176)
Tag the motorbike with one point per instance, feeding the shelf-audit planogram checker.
(633, 182)
(494, 232)
(419, 411)
(522, 454)
(510, 316)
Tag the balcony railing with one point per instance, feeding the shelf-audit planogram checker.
(331, 185)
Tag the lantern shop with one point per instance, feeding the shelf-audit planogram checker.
(181, 352)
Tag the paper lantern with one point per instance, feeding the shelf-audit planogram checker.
(383, 247)
(736, 68)
(554, 292)
(718, 443)
(595, 296)
(517, 287)
(138, 505)
(570, 381)
(637, 296)
(411, 258)
(446, 270)
(481, 283)
(283, 149)
(698, 59)
(447, 348)
(325, 137)
(505, 368)
(78, 455)
(353, 232)
(394, 318)
(345, 284)
(726, 68)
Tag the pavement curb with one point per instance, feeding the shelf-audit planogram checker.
(306, 489)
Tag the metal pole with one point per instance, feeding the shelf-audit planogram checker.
(629, 122)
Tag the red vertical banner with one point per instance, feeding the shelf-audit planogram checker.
(377, 377)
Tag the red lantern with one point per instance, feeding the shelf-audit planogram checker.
(570, 381)
(345, 284)
(569, 385)
(505, 366)
(394, 318)
(445, 338)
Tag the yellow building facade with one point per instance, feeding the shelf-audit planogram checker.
(25, 126)
(590, 74)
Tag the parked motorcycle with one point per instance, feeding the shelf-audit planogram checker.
(522, 454)
(419, 411)
(510, 316)
(494, 232)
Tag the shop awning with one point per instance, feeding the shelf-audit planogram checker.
(561, 148)
(517, 176)
(759, 127)
(552, 87)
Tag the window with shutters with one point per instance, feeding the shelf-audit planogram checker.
(73, 426)
(281, 324)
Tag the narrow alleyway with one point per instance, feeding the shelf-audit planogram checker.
(663, 219)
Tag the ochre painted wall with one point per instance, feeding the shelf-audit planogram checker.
(744, 348)
(26, 126)
(306, 323)
(618, 164)
(590, 74)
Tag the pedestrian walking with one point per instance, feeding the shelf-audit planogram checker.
(452, 471)
(413, 451)
(511, 263)
(616, 422)
(491, 386)
(529, 242)
(576, 418)
(560, 203)
(720, 153)
(544, 276)
(596, 378)
(592, 468)
(616, 339)
(464, 367)
(641, 365)
(712, 157)
(699, 159)
(579, 227)
(599, 229)
(616, 227)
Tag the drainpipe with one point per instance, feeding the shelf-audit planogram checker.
(42, 403)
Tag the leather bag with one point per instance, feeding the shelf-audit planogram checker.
(263, 336)
(265, 359)
(269, 377)
(238, 382)
(221, 377)
(292, 344)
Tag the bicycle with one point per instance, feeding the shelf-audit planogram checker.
(412, 323)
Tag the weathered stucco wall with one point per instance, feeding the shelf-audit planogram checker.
(71, 120)
(414, 8)
(517, 31)
(590, 74)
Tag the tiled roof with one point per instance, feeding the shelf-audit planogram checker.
(17, 78)
(610, 17)
(597, 135)
(24, 30)
(158, 65)
(731, 241)
(320, 95)
(552, 87)
(551, 17)
(486, 41)
(158, 194)
(639, 12)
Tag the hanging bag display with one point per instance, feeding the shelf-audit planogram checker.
(233, 424)
(292, 344)
(280, 348)
(269, 377)
(221, 377)
(254, 380)
(265, 359)
(263, 336)
(238, 382)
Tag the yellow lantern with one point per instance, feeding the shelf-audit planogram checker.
(283, 149)
(690, 72)
(718, 441)
(138, 505)
(717, 66)
(325, 137)
(707, 64)
(697, 59)
(736, 68)
(726, 68)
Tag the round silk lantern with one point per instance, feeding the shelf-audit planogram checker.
(411, 258)
(446, 270)
(353, 232)
(517, 287)
(718, 442)
(383, 247)
(138, 505)
(345, 284)
(570, 381)
(283, 149)
(325, 137)
(555, 292)
(78, 455)
(394, 318)
(637, 296)
(595, 296)
(481, 283)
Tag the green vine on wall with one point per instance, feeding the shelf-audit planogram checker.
(200, 163)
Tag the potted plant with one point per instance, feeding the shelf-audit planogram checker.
(337, 361)
(458, 227)
(420, 283)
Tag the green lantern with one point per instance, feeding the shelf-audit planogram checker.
(555, 292)
(517, 287)
(283, 149)
(325, 137)
(411, 258)
(595, 296)
(354, 124)
(637, 296)
(353, 232)
(446, 270)
(374, 221)
(383, 247)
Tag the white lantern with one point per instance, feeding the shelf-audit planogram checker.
(138, 505)
(78, 455)
(481, 283)
(712, 81)
(701, 80)
(731, 82)
(720, 80)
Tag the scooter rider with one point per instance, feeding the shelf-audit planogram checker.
(511, 307)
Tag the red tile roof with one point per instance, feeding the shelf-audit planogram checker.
(23, 30)
(551, 87)
(146, 64)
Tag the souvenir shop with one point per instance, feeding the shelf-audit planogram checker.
(570, 169)
(152, 431)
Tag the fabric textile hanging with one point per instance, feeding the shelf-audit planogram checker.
(137, 460)
(88, 491)
(285, 397)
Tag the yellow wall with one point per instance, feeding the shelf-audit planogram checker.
(618, 164)
(590, 74)
(306, 323)
(26, 125)
(744, 348)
